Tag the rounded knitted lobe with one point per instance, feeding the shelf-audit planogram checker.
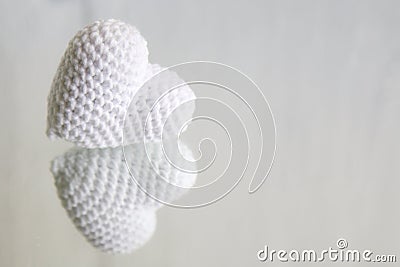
(160, 108)
(105, 203)
(101, 69)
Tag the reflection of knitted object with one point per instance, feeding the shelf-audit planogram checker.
(161, 106)
(103, 66)
(105, 204)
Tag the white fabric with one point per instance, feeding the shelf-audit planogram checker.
(160, 108)
(104, 76)
(105, 204)
(100, 74)
(102, 67)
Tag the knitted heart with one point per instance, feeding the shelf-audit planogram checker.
(105, 204)
(99, 77)
(101, 69)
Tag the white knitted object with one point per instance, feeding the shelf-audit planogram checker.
(100, 73)
(104, 202)
(102, 67)
(161, 106)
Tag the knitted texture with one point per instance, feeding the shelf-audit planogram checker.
(100, 75)
(102, 67)
(160, 108)
(103, 201)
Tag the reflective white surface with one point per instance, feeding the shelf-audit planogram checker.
(331, 72)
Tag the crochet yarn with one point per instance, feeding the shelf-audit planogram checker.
(106, 204)
(100, 75)
(102, 67)
(161, 106)
(105, 94)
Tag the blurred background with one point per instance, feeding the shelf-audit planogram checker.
(331, 72)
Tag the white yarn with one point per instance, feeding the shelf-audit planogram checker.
(102, 67)
(99, 74)
(104, 203)
(161, 106)
(100, 80)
